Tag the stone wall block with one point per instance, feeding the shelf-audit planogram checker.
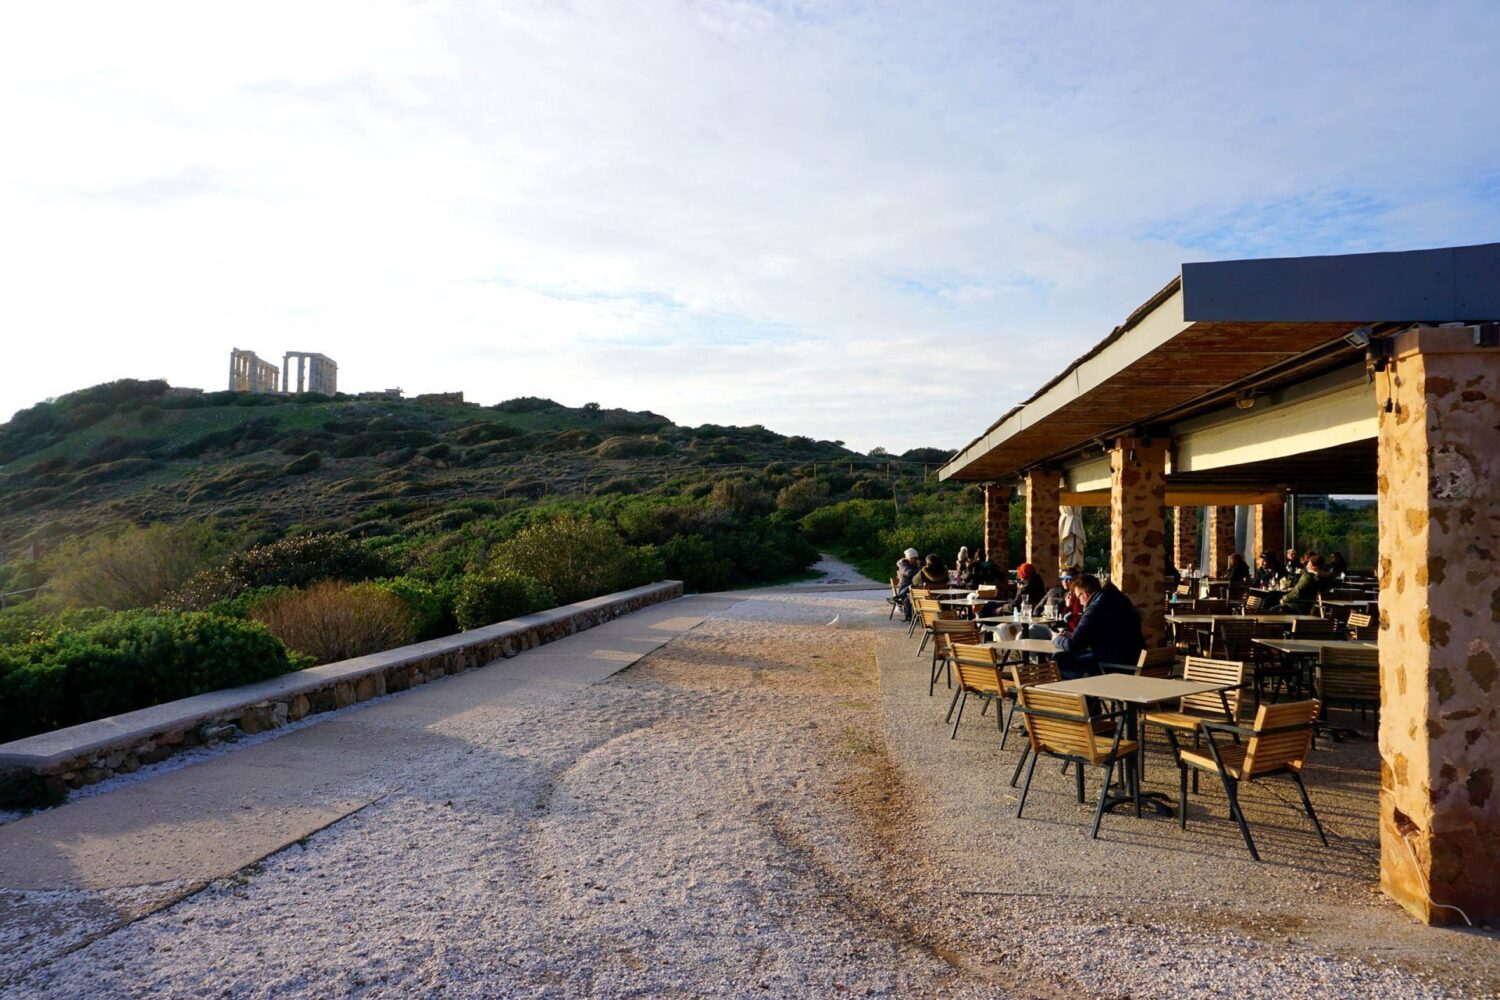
(1137, 517)
(1043, 501)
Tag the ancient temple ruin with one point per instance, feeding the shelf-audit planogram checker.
(249, 373)
(315, 373)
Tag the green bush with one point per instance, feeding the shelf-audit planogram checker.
(431, 604)
(494, 595)
(131, 567)
(575, 557)
(696, 561)
(291, 562)
(128, 661)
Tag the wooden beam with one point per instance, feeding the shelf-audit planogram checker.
(1182, 497)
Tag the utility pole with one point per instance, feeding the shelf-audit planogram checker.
(895, 500)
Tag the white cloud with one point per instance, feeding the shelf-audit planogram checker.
(878, 223)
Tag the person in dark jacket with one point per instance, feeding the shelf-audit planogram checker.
(1109, 631)
(1237, 569)
(907, 568)
(1304, 593)
(986, 573)
(934, 574)
(1267, 569)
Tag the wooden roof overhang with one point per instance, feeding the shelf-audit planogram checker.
(1226, 329)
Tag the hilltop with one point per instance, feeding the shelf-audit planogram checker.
(140, 452)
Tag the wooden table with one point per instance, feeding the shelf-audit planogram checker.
(1043, 647)
(1311, 647)
(1196, 619)
(1137, 693)
(1349, 602)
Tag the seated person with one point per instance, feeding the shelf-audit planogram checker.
(1267, 569)
(964, 566)
(1336, 565)
(1237, 570)
(1030, 587)
(986, 573)
(1108, 631)
(933, 574)
(1065, 596)
(1304, 593)
(907, 568)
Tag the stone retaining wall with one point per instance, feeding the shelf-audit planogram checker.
(81, 755)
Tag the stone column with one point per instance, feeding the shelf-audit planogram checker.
(1138, 529)
(1439, 489)
(997, 525)
(1185, 537)
(1270, 528)
(1220, 538)
(1043, 547)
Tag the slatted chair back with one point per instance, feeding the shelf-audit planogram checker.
(1255, 602)
(978, 668)
(988, 592)
(947, 631)
(1184, 590)
(1156, 662)
(1284, 750)
(929, 610)
(1212, 606)
(1312, 628)
(1024, 674)
(1232, 638)
(1358, 622)
(1073, 735)
(1349, 675)
(1206, 671)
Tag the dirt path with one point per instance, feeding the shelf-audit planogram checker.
(744, 812)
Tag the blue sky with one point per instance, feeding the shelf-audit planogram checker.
(881, 223)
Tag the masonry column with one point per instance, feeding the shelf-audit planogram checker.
(1185, 537)
(997, 525)
(1043, 547)
(1220, 538)
(1440, 626)
(1138, 529)
(1270, 528)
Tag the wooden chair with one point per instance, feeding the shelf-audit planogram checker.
(1269, 666)
(1026, 673)
(988, 592)
(928, 610)
(1212, 606)
(945, 632)
(1254, 603)
(1194, 710)
(1276, 744)
(894, 599)
(1230, 639)
(1157, 662)
(1357, 623)
(1184, 590)
(1058, 725)
(1314, 628)
(916, 597)
(979, 674)
(1350, 677)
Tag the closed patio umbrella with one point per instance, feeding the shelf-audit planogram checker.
(1070, 534)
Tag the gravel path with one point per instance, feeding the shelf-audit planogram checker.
(745, 812)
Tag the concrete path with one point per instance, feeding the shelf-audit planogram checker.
(217, 816)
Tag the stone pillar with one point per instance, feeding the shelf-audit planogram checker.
(1220, 538)
(1439, 489)
(1043, 547)
(1269, 521)
(1138, 529)
(997, 525)
(1185, 537)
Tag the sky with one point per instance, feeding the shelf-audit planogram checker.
(877, 223)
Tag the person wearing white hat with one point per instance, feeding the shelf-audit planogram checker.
(906, 569)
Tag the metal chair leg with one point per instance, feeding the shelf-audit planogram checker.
(1078, 780)
(1010, 717)
(1109, 774)
(1025, 753)
(962, 702)
(1307, 804)
(1182, 796)
(949, 716)
(1231, 790)
(1027, 787)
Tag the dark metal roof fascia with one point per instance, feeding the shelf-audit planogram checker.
(1445, 285)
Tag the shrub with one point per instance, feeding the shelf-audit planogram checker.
(802, 497)
(307, 463)
(290, 562)
(133, 567)
(430, 604)
(574, 557)
(527, 404)
(127, 661)
(696, 562)
(335, 621)
(632, 447)
(493, 595)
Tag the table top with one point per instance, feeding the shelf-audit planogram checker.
(1192, 619)
(1349, 602)
(1133, 689)
(1311, 646)
(1023, 645)
(950, 591)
